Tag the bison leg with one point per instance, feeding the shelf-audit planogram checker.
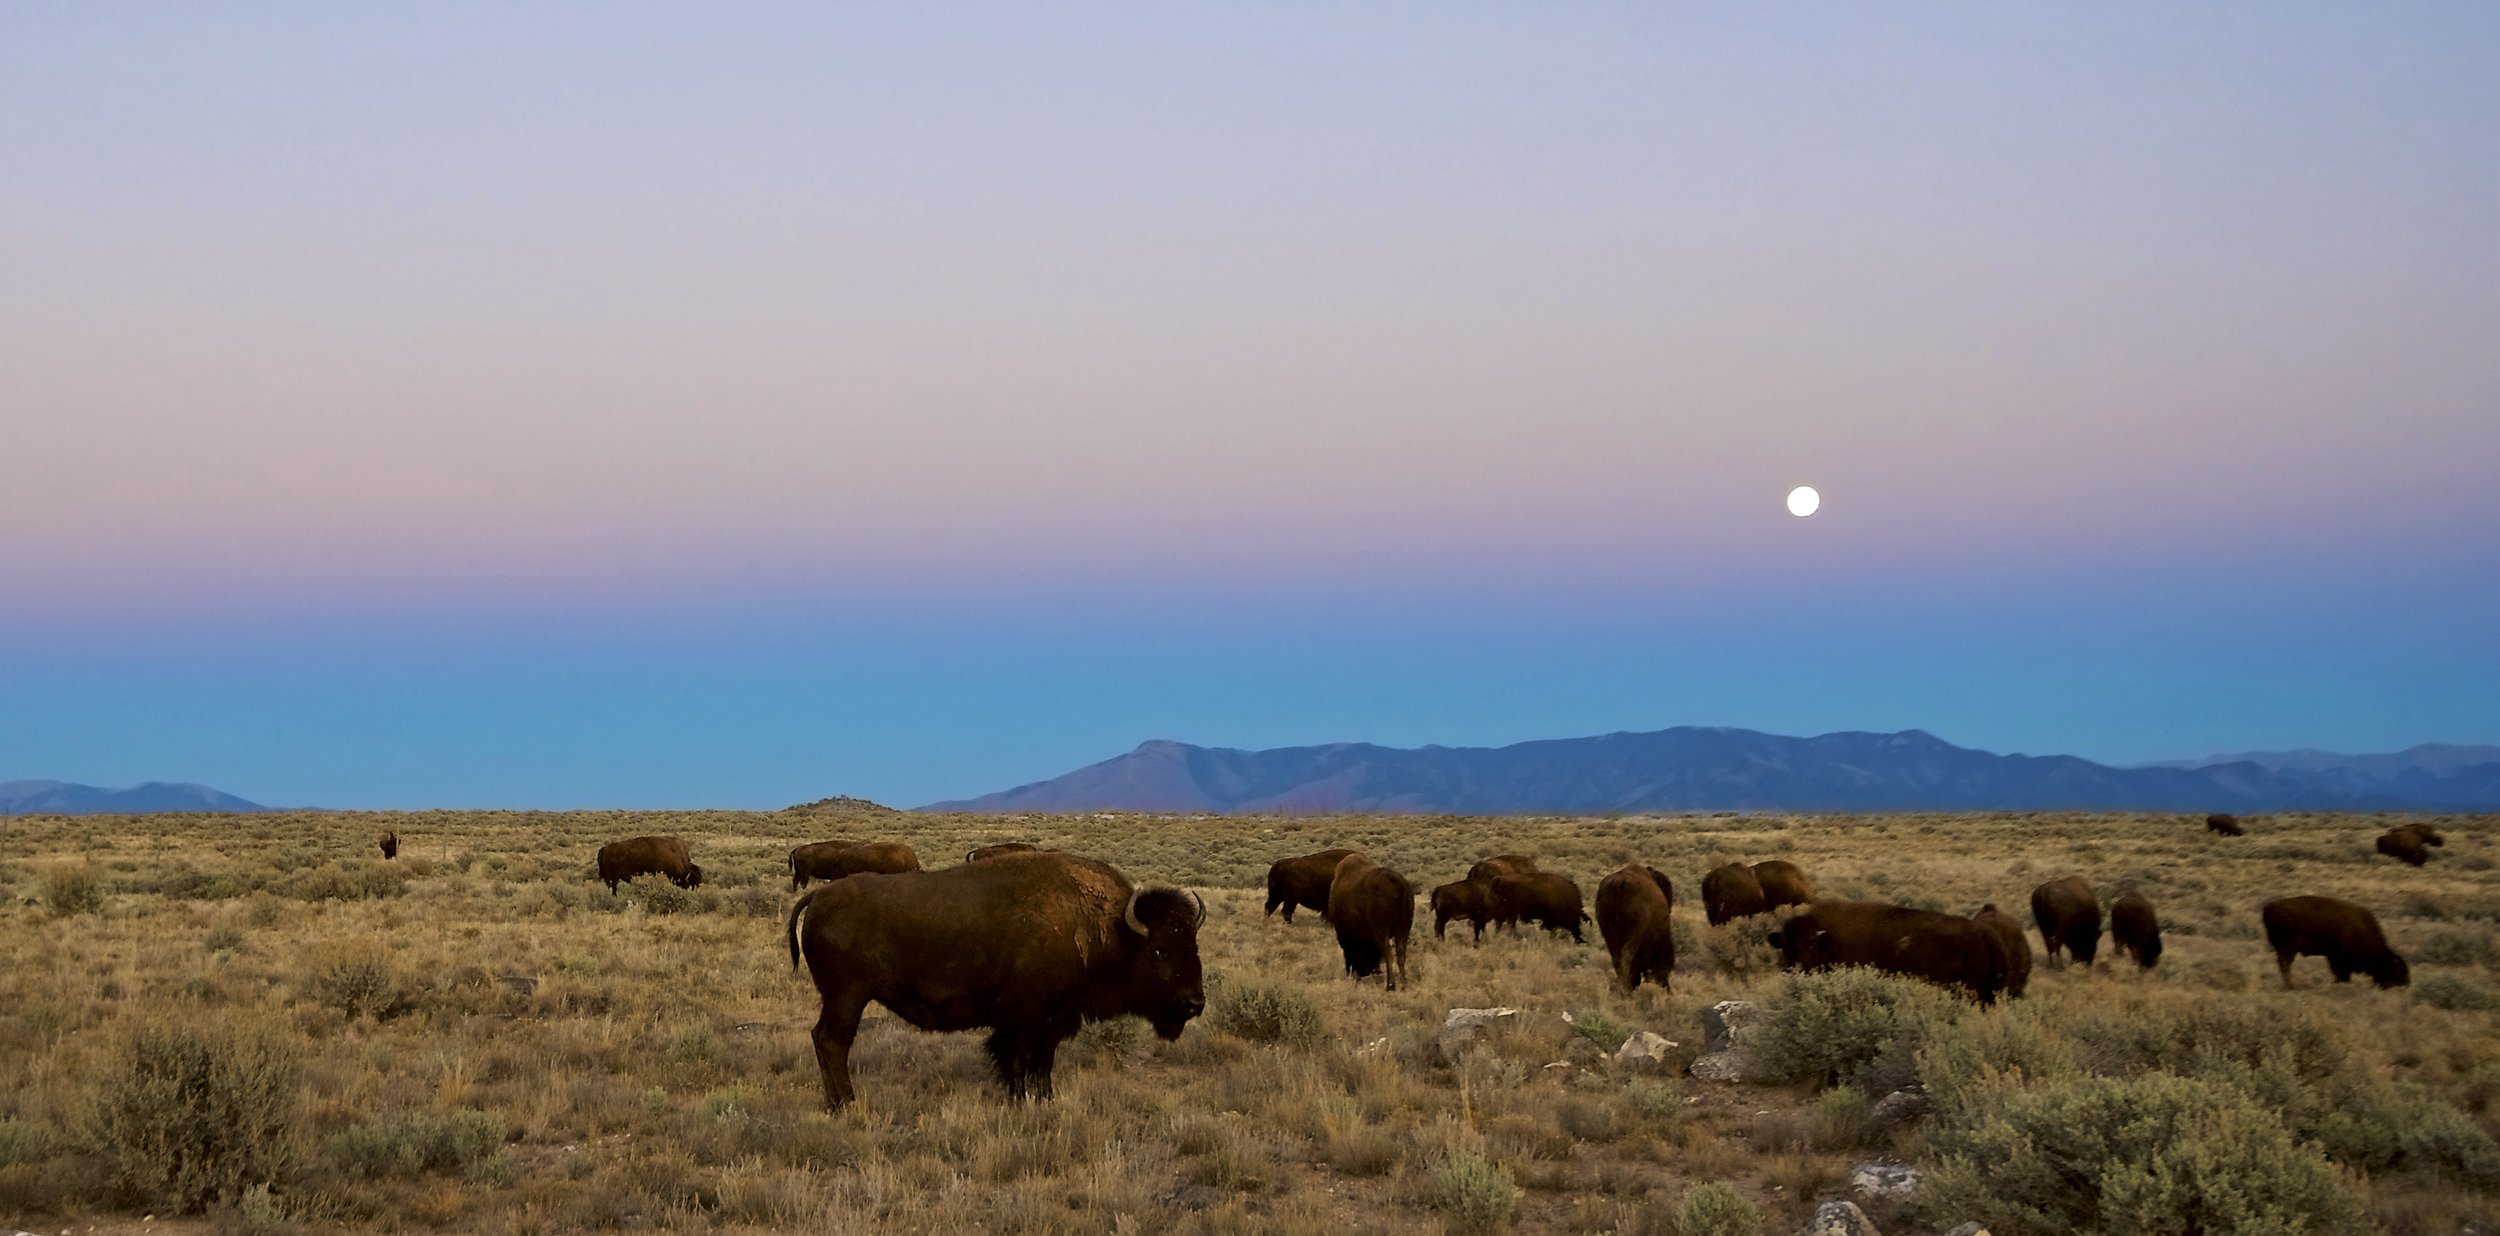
(2283, 964)
(836, 1026)
(1397, 973)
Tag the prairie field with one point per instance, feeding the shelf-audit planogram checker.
(256, 1024)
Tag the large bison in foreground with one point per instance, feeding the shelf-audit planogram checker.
(1027, 946)
(2347, 935)
(620, 861)
(1302, 882)
(834, 860)
(1944, 949)
(2017, 947)
(1731, 891)
(1635, 909)
(2069, 917)
(1373, 910)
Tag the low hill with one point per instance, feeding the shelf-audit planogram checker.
(66, 798)
(1694, 769)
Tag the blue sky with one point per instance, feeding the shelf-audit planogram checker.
(467, 406)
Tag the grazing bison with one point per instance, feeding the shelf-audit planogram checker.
(1488, 874)
(1783, 884)
(833, 860)
(2347, 935)
(1634, 909)
(620, 861)
(1731, 892)
(1373, 910)
(1465, 899)
(1550, 901)
(1302, 882)
(2017, 947)
(1027, 946)
(2225, 823)
(2406, 843)
(1943, 949)
(2069, 917)
(390, 844)
(993, 851)
(2135, 929)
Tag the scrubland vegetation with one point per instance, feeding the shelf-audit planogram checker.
(256, 1024)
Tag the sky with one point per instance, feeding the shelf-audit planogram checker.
(668, 406)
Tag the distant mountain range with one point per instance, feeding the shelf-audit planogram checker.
(63, 798)
(1719, 769)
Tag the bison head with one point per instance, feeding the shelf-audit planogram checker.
(2389, 970)
(1804, 943)
(693, 876)
(1166, 984)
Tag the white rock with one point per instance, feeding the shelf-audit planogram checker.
(1841, 1219)
(1464, 1026)
(1972, 1228)
(1883, 1181)
(1644, 1051)
(1724, 1028)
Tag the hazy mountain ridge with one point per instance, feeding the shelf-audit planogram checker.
(1704, 769)
(68, 798)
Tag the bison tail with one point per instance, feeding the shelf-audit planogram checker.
(797, 909)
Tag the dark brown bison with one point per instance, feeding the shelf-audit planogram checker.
(1731, 892)
(1027, 946)
(1783, 883)
(2225, 823)
(1488, 873)
(2407, 843)
(2347, 935)
(1462, 899)
(993, 851)
(1302, 882)
(620, 861)
(1943, 949)
(1550, 901)
(390, 844)
(1373, 910)
(1635, 905)
(2135, 929)
(834, 860)
(2017, 947)
(2069, 917)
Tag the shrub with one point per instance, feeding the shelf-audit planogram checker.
(359, 985)
(2448, 991)
(20, 1141)
(1600, 1028)
(74, 890)
(1266, 1014)
(1848, 1025)
(1475, 1190)
(2458, 947)
(1656, 1098)
(1716, 1209)
(1841, 1118)
(1740, 947)
(224, 939)
(345, 882)
(662, 897)
(1115, 1037)
(2134, 1157)
(466, 1141)
(199, 1113)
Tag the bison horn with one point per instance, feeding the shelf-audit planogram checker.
(1135, 923)
(1202, 909)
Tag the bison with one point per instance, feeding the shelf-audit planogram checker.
(2017, 947)
(2069, 917)
(993, 851)
(1488, 874)
(390, 844)
(2406, 843)
(1373, 910)
(1465, 899)
(1302, 882)
(1635, 906)
(1027, 946)
(833, 860)
(1550, 901)
(2225, 823)
(1943, 949)
(1783, 884)
(1730, 892)
(2347, 935)
(2135, 929)
(620, 861)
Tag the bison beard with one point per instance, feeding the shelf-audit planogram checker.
(1028, 946)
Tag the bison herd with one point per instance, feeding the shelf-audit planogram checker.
(1030, 943)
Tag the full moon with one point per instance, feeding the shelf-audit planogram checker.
(1803, 501)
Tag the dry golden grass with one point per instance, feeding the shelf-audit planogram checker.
(489, 1041)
